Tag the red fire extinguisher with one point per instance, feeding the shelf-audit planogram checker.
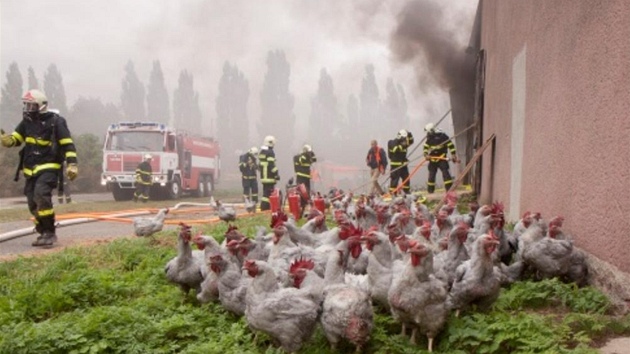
(274, 200)
(319, 203)
(294, 204)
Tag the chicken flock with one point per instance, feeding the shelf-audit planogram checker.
(396, 256)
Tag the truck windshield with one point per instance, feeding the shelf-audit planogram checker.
(135, 141)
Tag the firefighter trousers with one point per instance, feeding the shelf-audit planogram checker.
(267, 189)
(399, 174)
(446, 175)
(38, 192)
(142, 192)
(250, 189)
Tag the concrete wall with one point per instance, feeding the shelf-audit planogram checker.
(558, 98)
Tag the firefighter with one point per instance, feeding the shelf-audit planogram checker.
(302, 166)
(144, 181)
(397, 153)
(436, 147)
(47, 144)
(268, 170)
(249, 167)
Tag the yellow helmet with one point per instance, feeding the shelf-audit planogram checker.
(306, 148)
(429, 128)
(253, 150)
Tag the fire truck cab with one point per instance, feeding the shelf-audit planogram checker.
(181, 163)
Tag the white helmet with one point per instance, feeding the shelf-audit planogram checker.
(430, 128)
(35, 101)
(253, 150)
(270, 140)
(402, 133)
(306, 148)
(148, 157)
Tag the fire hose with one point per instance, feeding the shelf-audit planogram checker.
(124, 217)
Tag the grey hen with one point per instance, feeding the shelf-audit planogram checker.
(226, 213)
(147, 226)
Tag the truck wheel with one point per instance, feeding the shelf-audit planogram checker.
(175, 189)
(209, 186)
(120, 194)
(201, 187)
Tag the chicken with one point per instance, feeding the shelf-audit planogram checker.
(379, 268)
(316, 224)
(347, 310)
(250, 206)
(288, 316)
(225, 213)
(416, 297)
(232, 287)
(147, 226)
(209, 286)
(446, 262)
(475, 280)
(547, 256)
(185, 270)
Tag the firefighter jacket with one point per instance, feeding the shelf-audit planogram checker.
(47, 143)
(248, 166)
(376, 158)
(397, 151)
(267, 165)
(436, 146)
(143, 173)
(302, 164)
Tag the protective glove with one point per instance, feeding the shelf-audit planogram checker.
(7, 140)
(454, 158)
(72, 171)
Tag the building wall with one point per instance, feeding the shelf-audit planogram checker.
(557, 96)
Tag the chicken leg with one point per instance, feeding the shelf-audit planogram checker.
(430, 344)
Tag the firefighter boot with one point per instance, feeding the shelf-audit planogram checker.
(60, 200)
(47, 239)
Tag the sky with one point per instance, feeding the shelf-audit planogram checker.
(90, 41)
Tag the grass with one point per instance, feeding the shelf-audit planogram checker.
(114, 298)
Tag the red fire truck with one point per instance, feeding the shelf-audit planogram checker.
(182, 162)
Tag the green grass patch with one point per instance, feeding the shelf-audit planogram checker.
(114, 298)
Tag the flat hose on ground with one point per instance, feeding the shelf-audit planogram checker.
(119, 217)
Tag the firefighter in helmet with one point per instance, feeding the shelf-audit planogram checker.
(436, 147)
(268, 170)
(302, 165)
(248, 165)
(144, 180)
(397, 153)
(47, 144)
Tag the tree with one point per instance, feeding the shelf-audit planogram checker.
(186, 110)
(370, 105)
(55, 92)
(33, 83)
(231, 108)
(90, 157)
(276, 100)
(324, 110)
(90, 115)
(157, 96)
(11, 101)
(133, 96)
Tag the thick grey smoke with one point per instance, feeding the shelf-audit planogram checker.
(432, 40)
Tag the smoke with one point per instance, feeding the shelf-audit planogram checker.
(432, 39)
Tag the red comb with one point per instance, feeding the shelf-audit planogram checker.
(278, 218)
(301, 263)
